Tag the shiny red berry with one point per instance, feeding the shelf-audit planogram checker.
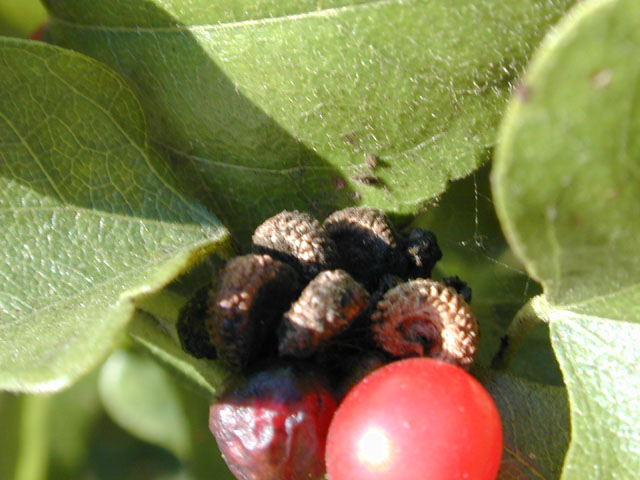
(415, 419)
(274, 426)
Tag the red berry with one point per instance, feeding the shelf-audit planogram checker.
(274, 426)
(415, 419)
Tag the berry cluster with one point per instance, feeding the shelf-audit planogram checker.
(342, 298)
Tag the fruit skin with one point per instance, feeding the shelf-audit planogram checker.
(274, 426)
(415, 419)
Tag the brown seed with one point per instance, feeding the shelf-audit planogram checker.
(253, 293)
(426, 318)
(327, 306)
(366, 242)
(297, 239)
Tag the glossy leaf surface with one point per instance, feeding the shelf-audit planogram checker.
(92, 219)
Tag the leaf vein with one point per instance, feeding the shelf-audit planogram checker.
(143, 154)
(33, 155)
(524, 462)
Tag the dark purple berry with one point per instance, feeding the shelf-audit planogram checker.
(274, 426)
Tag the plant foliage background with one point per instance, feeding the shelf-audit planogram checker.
(146, 137)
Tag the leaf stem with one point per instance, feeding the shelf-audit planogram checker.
(534, 312)
(33, 451)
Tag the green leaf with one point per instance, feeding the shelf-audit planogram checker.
(271, 105)
(84, 441)
(535, 423)
(140, 397)
(566, 190)
(92, 219)
(159, 336)
(73, 417)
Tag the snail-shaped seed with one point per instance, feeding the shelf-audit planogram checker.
(367, 243)
(297, 239)
(243, 312)
(423, 317)
(422, 252)
(327, 306)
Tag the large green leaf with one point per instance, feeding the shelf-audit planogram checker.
(91, 218)
(139, 396)
(535, 424)
(152, 405)
(271, 105)
(566, 190)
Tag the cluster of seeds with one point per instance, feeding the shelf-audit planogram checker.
(310, 289)
(315, 308)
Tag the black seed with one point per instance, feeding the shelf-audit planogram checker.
(422, 252)
(353, 368)
(459, 286)
(385, 283)
(192, 329)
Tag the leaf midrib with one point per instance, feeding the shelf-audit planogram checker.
(322, 13)
(569, 307)
(67, 209)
